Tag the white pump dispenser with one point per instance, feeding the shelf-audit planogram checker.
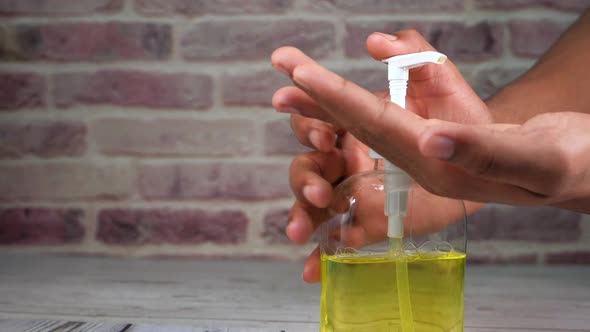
(397, 182)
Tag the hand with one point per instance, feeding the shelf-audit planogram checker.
(436, 92)
(548, 157)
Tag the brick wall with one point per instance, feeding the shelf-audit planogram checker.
(144, 127)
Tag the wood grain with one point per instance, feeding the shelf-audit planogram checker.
(231, 296)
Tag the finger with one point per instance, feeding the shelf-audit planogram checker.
(393, 133)
(311, 271)
(382, 46)
(292, 100)
(431, 81)
(311, 176)
(369, 118)
(382, 94)
(285, 59)
(314, 133)
(304, 219)
(506, 156)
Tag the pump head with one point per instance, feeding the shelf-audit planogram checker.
(398, 68)
(399, 65)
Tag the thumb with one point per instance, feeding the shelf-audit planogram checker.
(494, 152)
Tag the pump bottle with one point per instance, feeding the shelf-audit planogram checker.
(381, 270)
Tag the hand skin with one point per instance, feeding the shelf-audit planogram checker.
(544, 161)
(312, 174)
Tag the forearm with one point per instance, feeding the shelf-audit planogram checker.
(559, 81)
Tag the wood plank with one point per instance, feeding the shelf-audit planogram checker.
(40, 325)
(16, 325)
(13, 325)
(242, 294)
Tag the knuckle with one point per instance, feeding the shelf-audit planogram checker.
(302, 127)
(482, 164)
(298, 127)
(560, 171)
(478, 161)
(294, 123)
(413, 33)
(344, 85)
(372, 132)
(296, 170)
(305, 163)
(431, 122)
(298, 162)
(418, 38)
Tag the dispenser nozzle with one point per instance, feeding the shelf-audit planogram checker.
(398, 74)
(413, 60)
(395, 179)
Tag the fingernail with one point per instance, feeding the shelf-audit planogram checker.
(289, 110)
(440, 147)
(296, 79)
(314, 138)
(305, 268)
(388, 37)
(307, 191)
(281, 69)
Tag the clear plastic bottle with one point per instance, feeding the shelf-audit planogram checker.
(374, 283)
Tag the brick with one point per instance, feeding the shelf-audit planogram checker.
(543, 224)
(517, 259)
(482, 41)
(66, 181)
(42, 139)
(4, 47)
(487, 82)
(21, 90)
(175, 137)
(204, 7)
(57, 7)
(567, 5)
(568, 257)
(248, 39)
(370, 79)
(158, 226)
(253, 89)
(41, 226)
(134, 88)
(275, 224)
(92, 41)
(533, 38)
(280, 140)
(230, 180)
(9, 48)
(386, 7)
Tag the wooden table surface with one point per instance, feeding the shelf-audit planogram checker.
(74, 294)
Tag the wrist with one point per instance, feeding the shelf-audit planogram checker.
(509, 105)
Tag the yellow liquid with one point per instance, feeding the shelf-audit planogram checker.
(360, 293)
